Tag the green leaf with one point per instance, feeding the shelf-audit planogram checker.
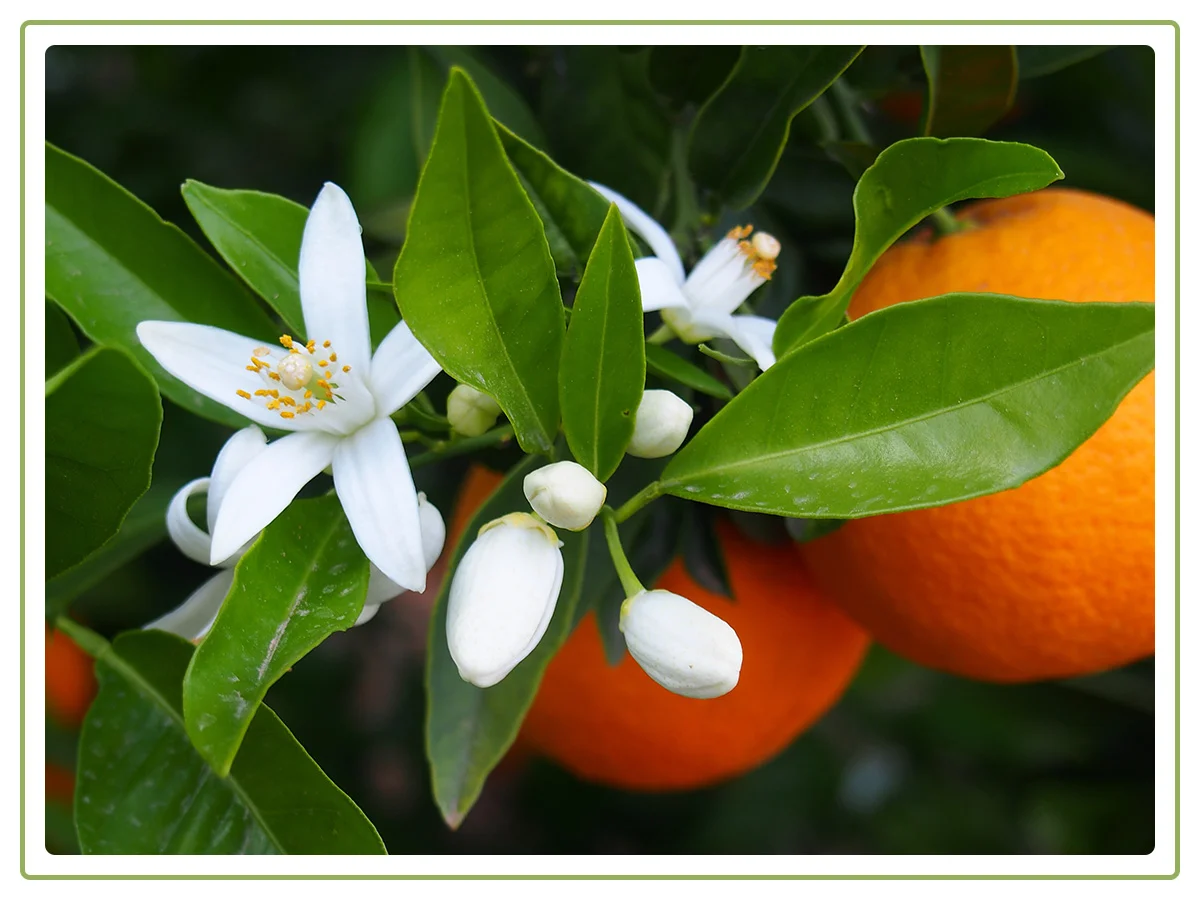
(61, 344)
(469, 729)
(665, 364)
(1036, 60)
(690, 74)
(505, 103)
(259, 235)
(606, 123)
(475, 280)
(910, 180)
(603, 369)
(739, 134)
(303, 579)
(144, 526)
(920, 404)
(102, 421)
(572, 212)
(970, 88)
(111, 263)
(143, 789)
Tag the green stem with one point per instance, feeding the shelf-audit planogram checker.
(457, 447)
(379, 286)
(662, 335)
(650, 492)
(629, 582)
(945, 223)
(725, 357)
(88, 641)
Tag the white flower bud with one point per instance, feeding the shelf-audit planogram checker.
(565, 494)
(660, 426)
(682, 646)
(471, 412)
(502, 597)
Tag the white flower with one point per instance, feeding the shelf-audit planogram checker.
(660, 425)
(700, 307)
(471, 412)
(503, 597)
(331, 393)
(195, 616)
(682, 646)
(565, 494)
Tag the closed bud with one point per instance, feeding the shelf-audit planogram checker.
(471, 412)
(565, 494)
(502, 597)
(682, 646)
(660, 426)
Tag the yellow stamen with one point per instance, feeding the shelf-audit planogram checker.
(262, 392)
(272, 375)
(320, 404)
(333, 357)
(251, 368)
(323, 363)
(307, 394)
(287, 415)
(272, 404)
(287, 401)
(326, 345)
(345, 368)
(310, 346)
(286, 340)
(245, 394)
(739, 232)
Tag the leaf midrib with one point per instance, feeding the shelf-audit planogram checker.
(808, 448)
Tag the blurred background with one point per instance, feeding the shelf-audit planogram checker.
(911, 760)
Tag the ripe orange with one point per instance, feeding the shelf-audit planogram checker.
(70, 679)
(1056, 577)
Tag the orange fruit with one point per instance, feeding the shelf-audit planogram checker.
(614, 725)
(1053, 578)
(70, 679)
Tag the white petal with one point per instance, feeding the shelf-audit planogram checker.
(433, 531)
(333, 278)
(658, 286)
(754, 334)
(368, 613)
(654, 234)
(380, 588)
(565, 494)
(237, 453)
(660, 425)
(265, 487)
(187, 535)
(400, 369)
(681, 645)
(213, 362)
(502, 597)
(370, 472)
(195, 616)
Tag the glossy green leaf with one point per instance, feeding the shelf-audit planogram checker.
(468, 729)
(303, 579)
(62, 345)
(475, 280)
(102, 421)
(920, 404)
(665, 364)
(571, 210)
(606, 124)
(142, 788)
(111, 263)
(739, 134)
(603, 369)
(1038, 60)
(970, 88)
(910, 180)
(143, 527)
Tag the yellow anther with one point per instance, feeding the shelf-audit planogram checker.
(345, 368)
(293, 350)
(262, 351)
(258, 362)
(311, 346)
(306, 407)
(272, 404)
(262, 392)
(273, 376)
(287, 415)
(286, 340)
(307, 394)
(273, 392)
(320, 404)
(322, 383)
(251, 368)
(245, 394)
(323, 363)
(332, 356)
(287, 401)
(739, 232)
(326, 344)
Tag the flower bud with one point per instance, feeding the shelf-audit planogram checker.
(660, 426)
(565, 494)
(502, 597)
(471, 412)
(682, 646)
